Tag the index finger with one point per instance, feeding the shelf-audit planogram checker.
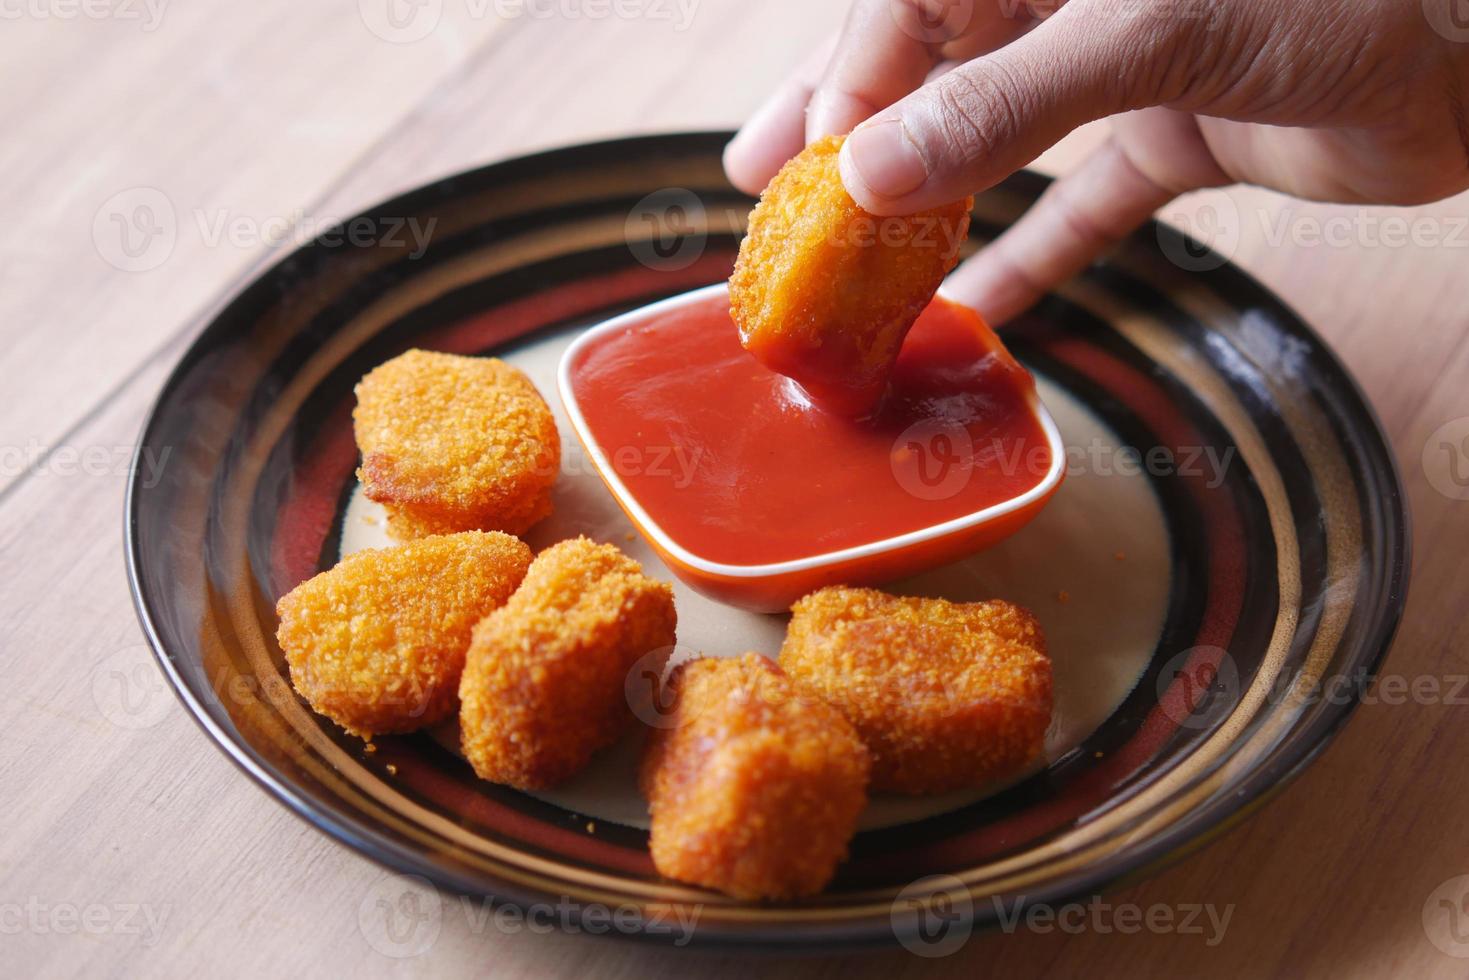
(888, 48)
(777, 130)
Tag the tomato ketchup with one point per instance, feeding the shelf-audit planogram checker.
(735, 464)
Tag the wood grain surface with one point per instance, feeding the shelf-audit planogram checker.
(133, 847)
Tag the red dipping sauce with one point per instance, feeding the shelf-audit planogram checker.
(736, 466)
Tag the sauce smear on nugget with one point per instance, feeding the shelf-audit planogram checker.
(824, 292)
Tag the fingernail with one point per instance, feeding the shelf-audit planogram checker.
(887, 160)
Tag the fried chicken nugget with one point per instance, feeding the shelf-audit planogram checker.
(824, 292)
(544, 686)
(377, 644)
(454, 443)
(752, 791)
(946, 695)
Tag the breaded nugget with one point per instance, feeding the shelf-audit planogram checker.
(377, 644)
(752, 790)
(454, 443)
(824, 292)
(946, 695)
(544, 686)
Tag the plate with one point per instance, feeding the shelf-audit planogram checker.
(1219, 576)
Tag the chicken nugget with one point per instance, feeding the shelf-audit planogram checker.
(454, 443)
(544, 685)
(377, 644)
(947, 695)
(753, 791)
(824, 292)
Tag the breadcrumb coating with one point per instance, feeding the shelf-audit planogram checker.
(453, 443)
(545, 683)
(753, 791)
(946, 695)
(377, 643)
(825, 291)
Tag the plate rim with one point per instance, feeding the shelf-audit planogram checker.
(1171, 844)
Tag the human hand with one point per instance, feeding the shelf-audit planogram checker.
(1359, 101)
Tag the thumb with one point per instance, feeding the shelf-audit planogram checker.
(984, 120)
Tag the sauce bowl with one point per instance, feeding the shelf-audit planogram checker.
(884, 492)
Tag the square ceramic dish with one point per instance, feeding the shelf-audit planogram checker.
(772, 586)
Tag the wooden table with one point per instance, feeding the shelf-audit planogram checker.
(131, 845)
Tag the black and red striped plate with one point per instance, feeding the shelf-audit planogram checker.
(1228, 558)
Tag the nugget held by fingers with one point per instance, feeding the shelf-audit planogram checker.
(544, 685)
(752, 790)
(947, 695)
(377, 643)
(824, 292)
(454, 443)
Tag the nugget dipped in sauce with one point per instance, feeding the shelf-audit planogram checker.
(753, 791)
(824, 292)
(946, 695)
(544, 685)
(377, 643)
(454, 443)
